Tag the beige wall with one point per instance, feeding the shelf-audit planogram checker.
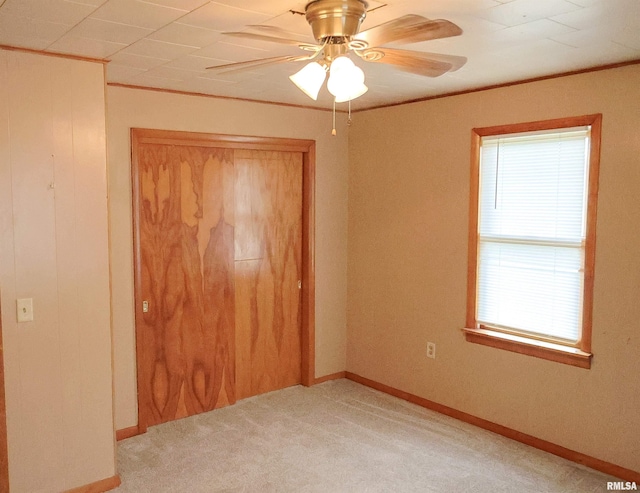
(54, 249)
(129, 108)
(408, 219)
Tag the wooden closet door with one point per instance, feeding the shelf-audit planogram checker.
(4, 460)
(185, 341)
(268, 239)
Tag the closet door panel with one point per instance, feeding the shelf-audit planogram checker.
(268, 205)
(185, 341)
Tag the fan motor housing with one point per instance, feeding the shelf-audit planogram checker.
(333, 18)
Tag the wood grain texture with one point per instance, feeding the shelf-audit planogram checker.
(472, 259)
(250, 281)
(552, 448)
(4, 462)
(332, 376)
(308, 332)
(530, 347)
(124, 433)
(186, 353)
(590, 242)
(268, 254)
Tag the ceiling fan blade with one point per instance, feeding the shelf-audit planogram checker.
(409, 29)
(239, 66)
(263, 37)
(455, 60)
(418, 62)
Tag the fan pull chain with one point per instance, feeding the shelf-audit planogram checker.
(333, 132)
(349, 119)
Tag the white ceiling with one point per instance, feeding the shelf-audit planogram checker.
(168, 43)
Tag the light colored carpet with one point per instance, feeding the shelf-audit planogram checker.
(338, 437)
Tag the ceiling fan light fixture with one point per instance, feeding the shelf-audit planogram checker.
(309, 79)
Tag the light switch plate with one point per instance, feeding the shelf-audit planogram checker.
(25, 309)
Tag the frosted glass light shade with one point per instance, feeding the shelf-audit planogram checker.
(355, 92)
(341, 63)
(309, 79)
(346, 81)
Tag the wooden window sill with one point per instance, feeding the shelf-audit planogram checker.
(539, 349)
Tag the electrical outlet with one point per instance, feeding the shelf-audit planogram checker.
(431, 350)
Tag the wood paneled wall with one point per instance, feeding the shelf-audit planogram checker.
(54, 249)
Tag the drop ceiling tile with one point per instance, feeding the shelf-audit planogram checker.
(29, 33)
(231, 52)
(531, 31)
(583, 38)
(524, 54)
(194, 63)
(602, 54)
(159, 49)
(205, 86)
(465, 45)
(243, 93)
(521, 11)
(221, 79)
(147, 80)
(613, 12)
(231, 77)
(187, 5)
(172, 73)
(137, 13)
(59, 11)
(94, 3)
(264, 48)
(137, 61)
(272, 7)
(222, 17)
(587, 3)
(474, 25)
(628, 36)
(187, 35)
(20, 40)
(160, 73)
(292, 23)
(122, 73)
(109, 31)
(435, 9)
(92, 48)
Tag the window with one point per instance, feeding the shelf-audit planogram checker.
(532, 237)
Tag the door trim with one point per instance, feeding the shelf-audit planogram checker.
(4, 460)
(308, 149)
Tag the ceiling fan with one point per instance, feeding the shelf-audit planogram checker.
(336, 28)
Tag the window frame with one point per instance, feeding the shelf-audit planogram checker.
(578, 354)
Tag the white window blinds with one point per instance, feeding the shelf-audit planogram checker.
(531, 225)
